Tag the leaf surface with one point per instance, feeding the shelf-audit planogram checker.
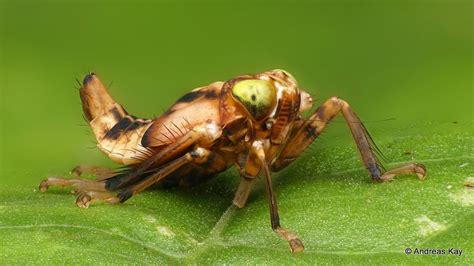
(325, 197)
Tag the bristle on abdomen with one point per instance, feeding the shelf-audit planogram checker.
(118, 134)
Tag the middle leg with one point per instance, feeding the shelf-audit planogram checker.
(255, 163)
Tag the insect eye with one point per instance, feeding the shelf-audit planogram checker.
(258, 96)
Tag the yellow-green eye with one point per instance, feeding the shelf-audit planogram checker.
(258, 96)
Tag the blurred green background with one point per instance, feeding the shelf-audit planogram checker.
(408, 60)
(404, 66)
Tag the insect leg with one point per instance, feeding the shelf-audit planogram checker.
(295, 244)
(243, 191)
(310, 129)
(248, 173)
(90, 190)
(198, 156)
(78, 184)
(101, 173)
(85, 198)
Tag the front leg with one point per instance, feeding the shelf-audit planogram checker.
(310, 129)
(255, 163)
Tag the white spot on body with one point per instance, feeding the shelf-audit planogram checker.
(306, 102)
(212, 128)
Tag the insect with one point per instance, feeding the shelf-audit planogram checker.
(253, 122)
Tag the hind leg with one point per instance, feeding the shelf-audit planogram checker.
(148, 172)
(199, 156)
(101, 173)
(80, 184)
(88, 190)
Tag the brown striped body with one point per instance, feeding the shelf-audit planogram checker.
(129, 141)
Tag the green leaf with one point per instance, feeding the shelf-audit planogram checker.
(411, 60)
(325, 197)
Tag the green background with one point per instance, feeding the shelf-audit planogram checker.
(404, 66)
